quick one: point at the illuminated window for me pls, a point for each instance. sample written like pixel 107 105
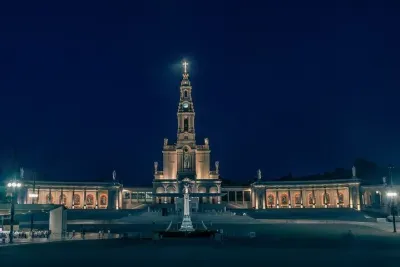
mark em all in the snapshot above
pixel 103 200
pixel 271 200
pixel 297 199
pixel 310 199
pixel 77 199
pixel 327 199
pixel 89 200
pixel 341 198
pixel 186 124
pixel 284 199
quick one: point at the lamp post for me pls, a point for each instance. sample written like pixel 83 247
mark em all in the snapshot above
pixel 33 195
pixel 14 184
pixel 392 196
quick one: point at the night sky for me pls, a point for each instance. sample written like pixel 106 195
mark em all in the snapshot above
pixel 285 86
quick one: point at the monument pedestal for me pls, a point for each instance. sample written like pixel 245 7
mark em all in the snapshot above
pixel 187 225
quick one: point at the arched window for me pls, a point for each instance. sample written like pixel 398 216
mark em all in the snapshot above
pixel 327 199
pixel 49 199
pixel 297 199
pixel 77 199
pixel 185 93
pixel 103 200
pixel 63 199
pixel 271 200
pixel 186 124
pixel 310 199
pixel 341 198
pixel 284 199
pixel 89 199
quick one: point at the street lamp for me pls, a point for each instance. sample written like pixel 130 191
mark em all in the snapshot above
pixel 392 196
pixel 14 184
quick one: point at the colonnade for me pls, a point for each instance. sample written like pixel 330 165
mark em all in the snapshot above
pixel 263 197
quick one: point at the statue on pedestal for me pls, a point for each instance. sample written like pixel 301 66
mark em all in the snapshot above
pixel 155 166
pixel 165 141
pixel 259 176
pixel 186 161
pixel 217 167
pixel 187 225
pixel 114 175
pixel 353 171
pixel 206 141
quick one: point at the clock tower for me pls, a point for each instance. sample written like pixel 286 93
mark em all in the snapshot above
pixel 186 132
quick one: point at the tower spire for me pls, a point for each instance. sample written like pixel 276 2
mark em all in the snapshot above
pixel 186 133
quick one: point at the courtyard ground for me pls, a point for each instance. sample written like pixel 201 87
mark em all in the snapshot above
pixel 318 245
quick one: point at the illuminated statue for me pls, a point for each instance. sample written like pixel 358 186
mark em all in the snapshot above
pixel 114 175
pixel 217 167
pixel 259 176
pixel 186 163
pixel 155 166
pixel 353 170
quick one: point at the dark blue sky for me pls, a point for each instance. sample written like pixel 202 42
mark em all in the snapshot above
pixel 279 85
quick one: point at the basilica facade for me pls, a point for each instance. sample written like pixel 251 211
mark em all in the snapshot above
pixel 186 161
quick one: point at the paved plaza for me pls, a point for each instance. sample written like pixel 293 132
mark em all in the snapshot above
pixel 320 245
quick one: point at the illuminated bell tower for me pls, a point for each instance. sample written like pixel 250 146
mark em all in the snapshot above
pixel 186 132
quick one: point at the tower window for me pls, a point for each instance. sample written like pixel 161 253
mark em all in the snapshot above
pixel 186 124
pixel 185 93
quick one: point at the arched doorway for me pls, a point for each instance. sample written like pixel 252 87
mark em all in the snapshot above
pixel 377 199
pixel 171 189
pixel 202 189
pixel 213 190
pixel 159 190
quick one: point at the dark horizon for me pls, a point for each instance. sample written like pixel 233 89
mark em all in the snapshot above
pixel 281 87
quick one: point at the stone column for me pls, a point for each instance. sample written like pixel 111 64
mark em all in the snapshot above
pixel 337 194
pixel 38 192
pixel 61 197
pixel 257 199
pixel 227 197
pixel 84 198
pixel 325 202
pixel 301 198
pixel 277 199
pixel 253 201
pixel 97 198
pixel 235 196
pixel 243 198
pixel 358 198
pixel 313 196
pixel 73 198
pixel 290 199
pixel 263 198
pixel 350 197
pixel 50 197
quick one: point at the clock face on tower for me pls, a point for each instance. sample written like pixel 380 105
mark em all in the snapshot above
pixel 185 105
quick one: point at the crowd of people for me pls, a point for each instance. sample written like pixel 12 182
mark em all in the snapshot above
pixel 5 235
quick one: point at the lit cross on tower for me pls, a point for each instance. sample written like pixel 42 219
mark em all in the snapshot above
pixel 185 64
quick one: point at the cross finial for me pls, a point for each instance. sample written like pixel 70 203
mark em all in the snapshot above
pixel 185 64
